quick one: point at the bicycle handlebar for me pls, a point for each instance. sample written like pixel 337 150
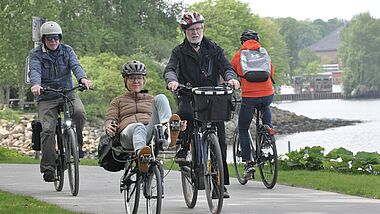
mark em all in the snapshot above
pixel 62 91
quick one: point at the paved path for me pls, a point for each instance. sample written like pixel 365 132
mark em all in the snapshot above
pixel 99 193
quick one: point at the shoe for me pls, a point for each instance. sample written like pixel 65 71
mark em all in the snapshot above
pixel 81 153
pixel 49 176
pixel 249 171
pixel 225 194
pixel 175 128
pixel 143 156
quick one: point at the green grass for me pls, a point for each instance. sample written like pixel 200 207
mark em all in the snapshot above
pixel 13 203
pixel 10 115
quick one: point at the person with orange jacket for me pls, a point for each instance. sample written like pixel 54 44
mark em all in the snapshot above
pixel 253 94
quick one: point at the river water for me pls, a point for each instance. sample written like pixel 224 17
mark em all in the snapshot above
pixel 359 137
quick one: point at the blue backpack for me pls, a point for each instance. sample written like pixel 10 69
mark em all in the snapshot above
pixel 255 65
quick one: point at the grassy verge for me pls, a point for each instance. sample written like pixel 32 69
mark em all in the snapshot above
pixel 13 203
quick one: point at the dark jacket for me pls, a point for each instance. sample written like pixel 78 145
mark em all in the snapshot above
pixel 199 69
pixel 53 68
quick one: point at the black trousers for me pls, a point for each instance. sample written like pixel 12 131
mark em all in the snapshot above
pixel 185 111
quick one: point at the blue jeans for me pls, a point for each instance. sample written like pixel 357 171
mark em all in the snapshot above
pixel 246 114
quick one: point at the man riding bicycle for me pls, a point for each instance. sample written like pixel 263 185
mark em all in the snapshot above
pixel 50 65
pixel 198 61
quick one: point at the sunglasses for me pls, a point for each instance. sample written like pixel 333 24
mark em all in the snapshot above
pixel 51 38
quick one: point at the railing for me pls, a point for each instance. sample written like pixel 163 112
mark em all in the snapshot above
pixel 322 96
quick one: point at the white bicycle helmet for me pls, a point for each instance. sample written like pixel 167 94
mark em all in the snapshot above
pixel 49 28
pixel 190 18
pixel 133 68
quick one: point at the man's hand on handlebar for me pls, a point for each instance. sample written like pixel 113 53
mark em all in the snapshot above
pixel 173 85
pixel 111 128
pixel 87 83
pixel 36 89
pixel 234 83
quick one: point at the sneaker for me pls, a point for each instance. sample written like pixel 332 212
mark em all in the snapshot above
pixel 143 156
pixel 49 176
pixel 249 171
pixel 174 129
pixel 225 194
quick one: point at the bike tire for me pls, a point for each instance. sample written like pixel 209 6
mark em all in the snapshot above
pixel 214 177
pixel 153 191
pixel 72 161
pixel 268 160
pixel 60 161
pixel 190 184
pixel 239 165
pixel 130 187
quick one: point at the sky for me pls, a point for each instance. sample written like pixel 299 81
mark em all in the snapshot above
pixel 311 9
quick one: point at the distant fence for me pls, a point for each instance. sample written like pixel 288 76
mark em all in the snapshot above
pixel 323 96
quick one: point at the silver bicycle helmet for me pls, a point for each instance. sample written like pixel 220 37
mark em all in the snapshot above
pixel 133 68
pixel 190 18
pixel 49 28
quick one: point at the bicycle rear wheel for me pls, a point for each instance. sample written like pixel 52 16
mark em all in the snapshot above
pixel 267 161
pixel 72 156
pixel 153 190
pixel 238 160
pixel 190 184
pixel 214 177
pixel 60 161
pixel 130 186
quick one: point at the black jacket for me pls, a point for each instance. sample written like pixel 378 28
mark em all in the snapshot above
pixel 199 69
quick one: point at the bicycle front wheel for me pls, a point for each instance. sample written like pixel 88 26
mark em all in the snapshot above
pixel 72 162
pixel 238 160
pixel 130 186
pixel 60 170
pixel 267 161
pixel 189 178
pixel 153 191
pixel 214 177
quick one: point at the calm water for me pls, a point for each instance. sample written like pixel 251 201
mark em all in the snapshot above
pixel 360 137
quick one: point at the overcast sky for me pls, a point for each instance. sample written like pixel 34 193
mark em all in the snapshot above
pixel 311 9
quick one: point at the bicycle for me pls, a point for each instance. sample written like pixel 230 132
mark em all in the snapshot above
pixel 204 155
pixel 67 142
pixel 134 181
pixel 265 157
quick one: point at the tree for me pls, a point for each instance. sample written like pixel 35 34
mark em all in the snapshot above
pixel 360 55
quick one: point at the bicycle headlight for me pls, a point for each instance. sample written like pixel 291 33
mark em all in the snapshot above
pixel 68 122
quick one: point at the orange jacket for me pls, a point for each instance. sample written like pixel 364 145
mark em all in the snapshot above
pixel 252 89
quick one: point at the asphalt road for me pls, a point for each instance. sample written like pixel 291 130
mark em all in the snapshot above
pixel 99 193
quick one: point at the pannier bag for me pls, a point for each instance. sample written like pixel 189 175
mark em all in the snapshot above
pixel 212 104
pixel 36 135
pixel 255 65
pixel 106 155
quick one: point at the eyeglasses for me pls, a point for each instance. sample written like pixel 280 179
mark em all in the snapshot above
pixel 51 38
pixel 192 30
pixel 133 78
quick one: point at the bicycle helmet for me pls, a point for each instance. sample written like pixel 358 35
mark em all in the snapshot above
pixel 133 68
pixel 190 18
pixel 249 35
pixel 49 28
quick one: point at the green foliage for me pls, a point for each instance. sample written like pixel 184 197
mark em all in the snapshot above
pixel 105 72
pixel 360 55
pixel 10 115
pixel 338 159
pixel 341 160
